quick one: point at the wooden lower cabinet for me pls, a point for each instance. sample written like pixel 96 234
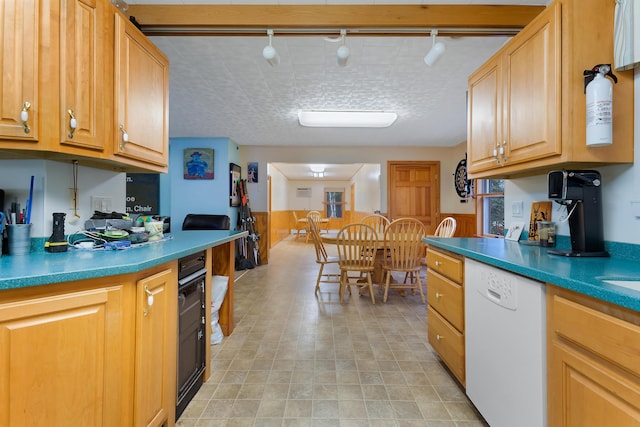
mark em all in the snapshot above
pixel 593 362
pixel 445 311
pixel 155 348
pixel 91 352
pixel 61 358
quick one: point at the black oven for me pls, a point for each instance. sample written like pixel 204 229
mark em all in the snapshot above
pixel 191 328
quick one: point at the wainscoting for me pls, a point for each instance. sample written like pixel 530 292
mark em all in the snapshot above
pixel 466 224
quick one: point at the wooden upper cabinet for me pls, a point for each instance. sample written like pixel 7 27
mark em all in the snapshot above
pixel 531 96
pixel 485 116
pixel 527 110
pixel 84 83
pixel 19 35
pixel 142 97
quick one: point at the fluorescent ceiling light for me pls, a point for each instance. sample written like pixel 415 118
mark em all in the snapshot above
pixel 346 119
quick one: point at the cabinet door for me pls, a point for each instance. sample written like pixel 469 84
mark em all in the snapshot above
pixel 485 116
pixel 593 370
pixel 84 83
pixel 155 354
pixel 141 80
pixel 587 393
pixel 19 34
pixel 531 90
pixel 61 359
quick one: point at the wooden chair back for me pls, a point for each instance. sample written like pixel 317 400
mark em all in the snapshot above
pixel 446 228
pixel 314 215
pixel 404 245
pixel 378 222
pixel 321 252
pixel 357 244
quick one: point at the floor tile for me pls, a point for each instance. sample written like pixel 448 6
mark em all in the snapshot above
pixel 297 360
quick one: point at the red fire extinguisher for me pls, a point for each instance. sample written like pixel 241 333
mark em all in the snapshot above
pixel 599 92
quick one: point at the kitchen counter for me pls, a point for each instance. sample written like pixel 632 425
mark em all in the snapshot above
pixel 41 268
pixel 583 275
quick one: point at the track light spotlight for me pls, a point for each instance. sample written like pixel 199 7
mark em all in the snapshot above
pixel 269 52
pixel 437 49
pixel 342 56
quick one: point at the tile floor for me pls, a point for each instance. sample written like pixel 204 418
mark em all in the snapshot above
pixel 297 360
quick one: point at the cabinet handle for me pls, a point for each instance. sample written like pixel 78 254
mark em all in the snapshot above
pixel 149 296
pixel 439 337
pixel 502 151
pixel 125 137
pixel 438 295
pixel 73 123
pixel 24 116
pixel 438 263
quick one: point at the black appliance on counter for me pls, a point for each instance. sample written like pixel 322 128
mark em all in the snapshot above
pixel 191 328
pixel 581 192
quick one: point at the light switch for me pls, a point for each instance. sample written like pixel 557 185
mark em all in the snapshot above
pixel 516 208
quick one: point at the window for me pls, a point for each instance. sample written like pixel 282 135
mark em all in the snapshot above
pixel 334 202
pixel 490 206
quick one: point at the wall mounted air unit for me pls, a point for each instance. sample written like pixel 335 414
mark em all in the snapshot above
pixel 303 192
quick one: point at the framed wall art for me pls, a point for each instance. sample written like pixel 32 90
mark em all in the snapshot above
pixel 198 163
pixel 234 177
pixel 252 172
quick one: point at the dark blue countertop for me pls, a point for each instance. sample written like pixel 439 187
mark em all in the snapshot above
pixel 41 268
pixel 583 275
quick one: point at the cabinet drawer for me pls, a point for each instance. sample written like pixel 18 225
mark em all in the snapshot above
pixel 607 336
pixel 446 264
pixel 447 298
pixel 447 342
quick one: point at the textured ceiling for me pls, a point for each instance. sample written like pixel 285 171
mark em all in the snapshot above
pixel 221 86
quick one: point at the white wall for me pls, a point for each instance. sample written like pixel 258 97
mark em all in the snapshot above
pixel 279 198
pixel 367 189
pixel 52 183
pixel 448 157
pixel 313 203
pixel 620 187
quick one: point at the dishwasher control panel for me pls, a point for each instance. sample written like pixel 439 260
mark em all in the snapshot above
pixel 500 288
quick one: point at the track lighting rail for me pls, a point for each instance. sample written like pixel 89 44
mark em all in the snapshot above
pixel 328 20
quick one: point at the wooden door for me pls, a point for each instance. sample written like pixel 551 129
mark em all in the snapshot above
pixel 61 359
pixel 141 82
pixel 413 190
pixel 155 354
pixel 531 90
pixel 85 88
pixel 19 35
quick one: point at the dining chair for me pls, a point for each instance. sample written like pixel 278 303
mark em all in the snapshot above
pixel 404 248
pixel 377 221
pixel 315 216
pixel 357 246
pixel 446 228
pixel 322 258
pixel 299 223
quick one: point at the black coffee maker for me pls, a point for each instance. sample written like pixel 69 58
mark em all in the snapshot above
pixel 581 192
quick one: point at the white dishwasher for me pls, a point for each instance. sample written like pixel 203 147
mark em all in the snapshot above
pixel 505 338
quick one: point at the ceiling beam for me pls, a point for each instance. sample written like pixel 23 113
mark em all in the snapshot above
pixel 243 20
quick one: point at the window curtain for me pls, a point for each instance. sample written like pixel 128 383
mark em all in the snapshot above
pixel 626 44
